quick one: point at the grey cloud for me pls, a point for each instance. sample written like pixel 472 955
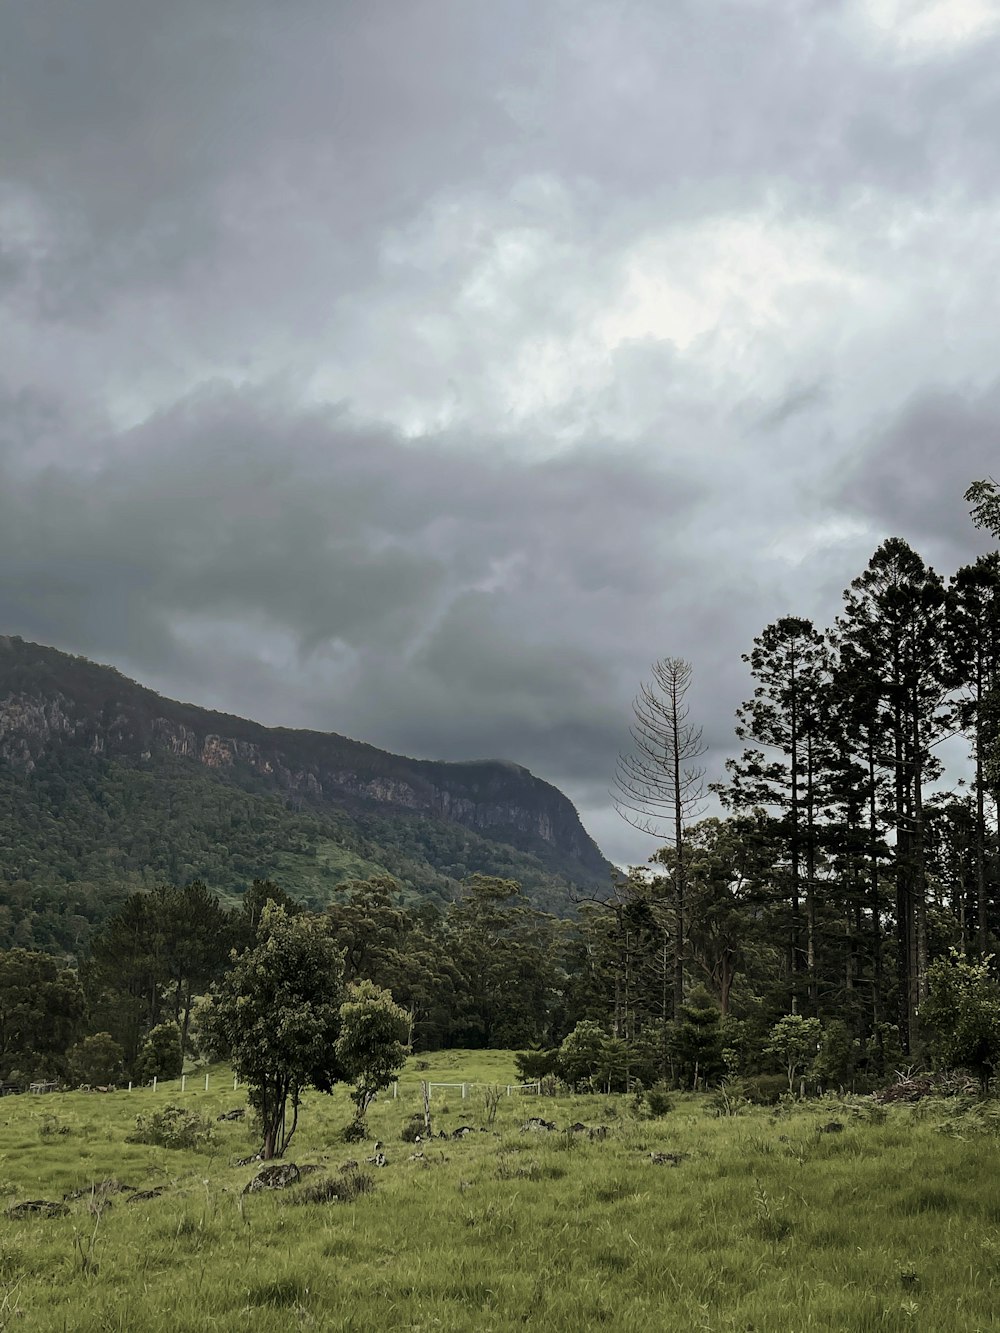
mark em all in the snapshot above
pixel 910 479
pixel 214 216
pixel 477 595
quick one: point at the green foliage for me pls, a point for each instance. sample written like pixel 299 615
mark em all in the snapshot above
pixel 983 498
pixel 41 1009
pixel 97 1060
pixel 961 1015
pixel 658 1100
pixel 502 950
pixel 794 1042
pixel 278 1011
pixel 370 1049
pixel 161 1055
pixel 696 1038
pixel 533 1065
pixel 581 1055
pixel 173 1127
pixel 762 1089
pixel 835 1060
pixel 86 825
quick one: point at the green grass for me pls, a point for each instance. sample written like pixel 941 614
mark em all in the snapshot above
pixel 767 1224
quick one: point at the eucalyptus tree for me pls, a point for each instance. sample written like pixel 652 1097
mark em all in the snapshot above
pixel 659 786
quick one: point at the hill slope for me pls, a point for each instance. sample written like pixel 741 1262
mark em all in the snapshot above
pixel 106 786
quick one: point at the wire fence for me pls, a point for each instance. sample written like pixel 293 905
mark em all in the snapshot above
pixel 193 1082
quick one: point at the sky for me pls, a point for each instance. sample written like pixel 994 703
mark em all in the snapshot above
pixel 424 370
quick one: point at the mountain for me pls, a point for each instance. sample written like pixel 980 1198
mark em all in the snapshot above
pixel 105 786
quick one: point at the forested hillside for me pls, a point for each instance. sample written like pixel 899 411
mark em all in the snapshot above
pixel 105 787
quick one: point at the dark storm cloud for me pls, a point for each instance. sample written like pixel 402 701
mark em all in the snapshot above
pixel 911 478
pixel 646 323
pixel 470 596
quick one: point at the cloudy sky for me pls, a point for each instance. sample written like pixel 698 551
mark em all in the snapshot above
pixel 423 369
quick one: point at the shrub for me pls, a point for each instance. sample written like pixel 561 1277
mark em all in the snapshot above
pixel 696 1040
pixel 413 1129
pixel 161 1056
pixel 335 1189
pixel 96 1060
pixel 765 1089
pixel 658 1100
pixel 533 1065
pixel 835 1059
pixel 173 1127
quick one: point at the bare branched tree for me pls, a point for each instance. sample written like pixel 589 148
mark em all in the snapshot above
pixel 658 786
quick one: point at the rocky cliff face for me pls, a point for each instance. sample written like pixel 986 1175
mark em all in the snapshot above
pixel 50 702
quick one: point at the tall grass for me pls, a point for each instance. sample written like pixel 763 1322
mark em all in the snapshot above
pixel 765 1223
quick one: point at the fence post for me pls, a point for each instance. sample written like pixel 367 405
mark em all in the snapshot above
pixel 154 1082
pixel 235 1082
pixel 508 1089
pixel 425 1089
pixel 395 1091
pixel 130 1085
pixel 183 1082
pixel 206 1083
pixel 463 1092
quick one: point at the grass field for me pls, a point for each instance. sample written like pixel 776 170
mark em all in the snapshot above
pixel 765 1223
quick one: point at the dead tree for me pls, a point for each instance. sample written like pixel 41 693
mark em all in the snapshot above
pixel 658 786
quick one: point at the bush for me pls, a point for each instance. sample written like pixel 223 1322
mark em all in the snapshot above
pixel 534 1065
pixel 334 1189
pixel 161 1056
pixel 764 1089
pixel 658 1100
pixel 413 1129
pixel 173 1127
pixel 97 1060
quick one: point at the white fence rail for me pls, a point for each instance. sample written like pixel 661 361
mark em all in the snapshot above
pixel 162 1085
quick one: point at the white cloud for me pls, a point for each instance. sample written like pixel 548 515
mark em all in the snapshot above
pixel 921 29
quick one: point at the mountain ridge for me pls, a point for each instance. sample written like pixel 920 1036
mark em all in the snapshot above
pixel 64 717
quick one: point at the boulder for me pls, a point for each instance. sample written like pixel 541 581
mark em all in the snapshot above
pixel 538 1125
pixel 37 1208
pixel 277 1176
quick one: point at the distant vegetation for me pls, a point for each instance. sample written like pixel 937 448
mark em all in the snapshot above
pixel 837 924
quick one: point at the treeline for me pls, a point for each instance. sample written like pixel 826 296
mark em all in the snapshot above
pixel 843 878
pixel 485 971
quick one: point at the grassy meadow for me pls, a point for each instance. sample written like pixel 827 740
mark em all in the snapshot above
pixel 763 1221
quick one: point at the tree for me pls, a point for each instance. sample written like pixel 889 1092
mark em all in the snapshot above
pixel 729 897
pixel 983 497
pixel 962 1015
pixel 794 1041
pixel 371 1048
pixel 255 899
pixel 973 658
pixel 98 1060
pixel 581 1055
pixel 892 645
pixel 790 664
pixel 502 949
pixel 41 1008
pixel 196 939
pixel 162 1055
pixel 278 1012
pixel 658 784
pixel 697 1037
